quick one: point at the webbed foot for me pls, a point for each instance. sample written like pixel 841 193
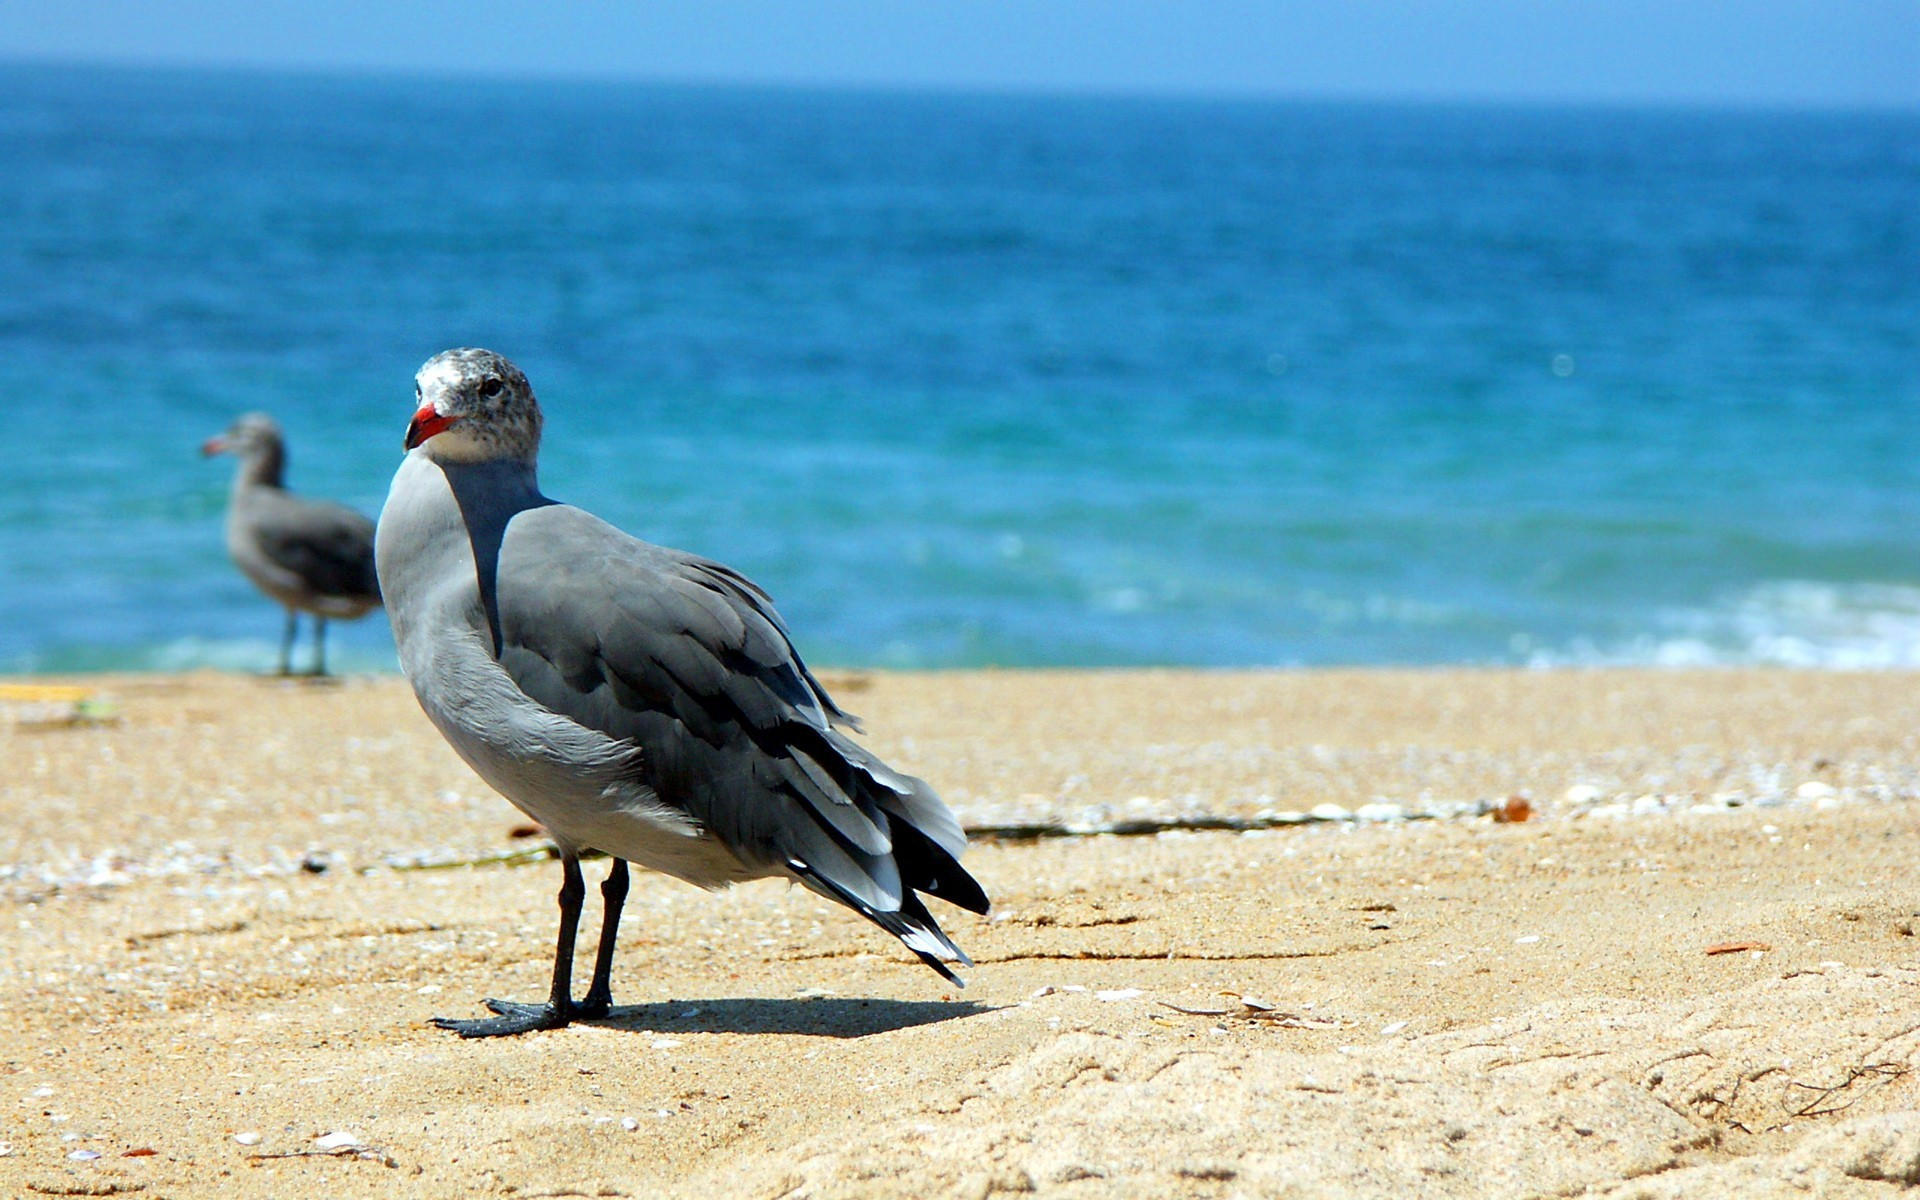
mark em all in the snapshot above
pixel 513 1018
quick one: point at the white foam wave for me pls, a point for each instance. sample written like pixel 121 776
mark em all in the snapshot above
pixel 1786 623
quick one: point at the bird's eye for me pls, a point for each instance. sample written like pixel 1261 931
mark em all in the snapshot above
pixel 490 387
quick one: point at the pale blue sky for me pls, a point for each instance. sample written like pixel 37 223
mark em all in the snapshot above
pixel 1787 52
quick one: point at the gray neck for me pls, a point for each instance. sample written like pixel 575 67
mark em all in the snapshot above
pixel 490 494
pixel 508 485
pixel 264 465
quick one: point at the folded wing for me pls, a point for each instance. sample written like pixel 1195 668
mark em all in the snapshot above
pixel 687 660
pixel 328 546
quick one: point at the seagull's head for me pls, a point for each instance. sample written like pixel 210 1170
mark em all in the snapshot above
pixel 473 405
pixel 253 434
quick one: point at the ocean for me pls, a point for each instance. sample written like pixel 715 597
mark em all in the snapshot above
pixel 993 379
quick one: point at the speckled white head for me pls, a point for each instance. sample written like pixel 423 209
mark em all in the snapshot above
pixel 474 406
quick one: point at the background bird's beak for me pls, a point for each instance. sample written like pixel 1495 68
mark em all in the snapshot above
pixel 213 446
pixel 425 424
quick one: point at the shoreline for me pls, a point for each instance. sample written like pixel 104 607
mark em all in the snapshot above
pixel 219 955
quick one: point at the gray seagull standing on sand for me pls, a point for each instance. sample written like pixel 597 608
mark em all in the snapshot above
pixel 313 556
pixel 633 699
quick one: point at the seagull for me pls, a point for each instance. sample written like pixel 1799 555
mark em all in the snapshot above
pixel 313 556
pixel 633 699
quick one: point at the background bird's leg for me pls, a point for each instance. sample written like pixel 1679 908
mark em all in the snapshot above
pixel 613 895
pixel 559 1009
pixel 286 643
pixel 319 646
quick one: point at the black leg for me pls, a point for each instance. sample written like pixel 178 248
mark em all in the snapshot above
pixel 319 647
pixel 558 1010
pixel 286 644
pixel 613 895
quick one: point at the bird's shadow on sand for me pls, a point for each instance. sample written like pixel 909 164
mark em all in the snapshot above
pixel 816 1016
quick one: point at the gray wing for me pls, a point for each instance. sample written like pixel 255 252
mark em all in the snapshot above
pixel 687 660
pixel 329 546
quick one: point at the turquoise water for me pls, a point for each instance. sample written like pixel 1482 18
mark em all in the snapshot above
pixel 993 379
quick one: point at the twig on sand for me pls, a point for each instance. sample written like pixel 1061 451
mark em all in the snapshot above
pixel 1817 1106
pixel 341 1149
pixel 1250 1009
pixel 1737 947
pixel 1033 831
pixel 364 1153
pixel 545 852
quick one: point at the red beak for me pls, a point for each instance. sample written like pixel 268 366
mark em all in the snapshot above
pixel 425 424
pixel 213 446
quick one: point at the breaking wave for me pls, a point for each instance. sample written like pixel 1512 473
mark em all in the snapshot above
pixel 1787 623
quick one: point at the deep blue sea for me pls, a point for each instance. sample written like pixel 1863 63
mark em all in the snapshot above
pixel 977 379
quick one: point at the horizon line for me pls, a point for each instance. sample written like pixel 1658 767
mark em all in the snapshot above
pixel 957 88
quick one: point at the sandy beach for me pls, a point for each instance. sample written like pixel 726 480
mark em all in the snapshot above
pixel 232 904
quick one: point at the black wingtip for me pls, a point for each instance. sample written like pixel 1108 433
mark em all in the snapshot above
pixel 912 921
pixel 925 866
pixel 945 971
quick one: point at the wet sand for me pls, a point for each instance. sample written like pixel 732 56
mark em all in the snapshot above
pixel 232 904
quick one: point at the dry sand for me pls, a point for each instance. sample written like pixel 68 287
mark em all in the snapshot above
pixel 227 928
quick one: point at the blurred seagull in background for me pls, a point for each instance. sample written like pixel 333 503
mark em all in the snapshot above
pixel 632 699
pixel 312 556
